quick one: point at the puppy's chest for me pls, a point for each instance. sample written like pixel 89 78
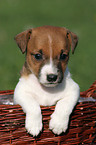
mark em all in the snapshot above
pixel 46 99
pixel 44 96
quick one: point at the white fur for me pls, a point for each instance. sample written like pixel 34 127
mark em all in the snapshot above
pixel 30 95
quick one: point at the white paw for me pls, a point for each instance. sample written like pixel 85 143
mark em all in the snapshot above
pixel 33 124
pixel 58 124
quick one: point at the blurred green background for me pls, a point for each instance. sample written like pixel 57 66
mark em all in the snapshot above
pixel 19 15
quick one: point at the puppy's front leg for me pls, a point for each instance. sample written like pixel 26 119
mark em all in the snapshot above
pixel 33 122
pixel 60 117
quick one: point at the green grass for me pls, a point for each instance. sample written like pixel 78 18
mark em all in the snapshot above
pixel 78 16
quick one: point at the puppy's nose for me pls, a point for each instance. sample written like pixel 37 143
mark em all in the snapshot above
pixel 51 77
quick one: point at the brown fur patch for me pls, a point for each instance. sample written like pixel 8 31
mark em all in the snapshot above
pixel 61 39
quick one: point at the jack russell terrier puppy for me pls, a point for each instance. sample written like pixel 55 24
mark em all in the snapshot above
pixel 45 78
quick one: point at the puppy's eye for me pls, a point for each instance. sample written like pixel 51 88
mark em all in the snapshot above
pixel 63 56
pixel 38 56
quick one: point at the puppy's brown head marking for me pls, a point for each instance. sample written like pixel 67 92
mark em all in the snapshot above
pixel 23 38
pixel 46 45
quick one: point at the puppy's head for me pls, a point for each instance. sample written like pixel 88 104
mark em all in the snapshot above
pixel 47 52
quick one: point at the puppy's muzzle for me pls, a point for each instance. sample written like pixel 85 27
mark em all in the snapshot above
pixel 50 75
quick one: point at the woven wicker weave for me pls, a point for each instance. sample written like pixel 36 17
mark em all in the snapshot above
pixel 82 126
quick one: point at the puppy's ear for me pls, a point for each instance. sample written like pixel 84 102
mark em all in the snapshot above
pixel 22 39
pixel 73 39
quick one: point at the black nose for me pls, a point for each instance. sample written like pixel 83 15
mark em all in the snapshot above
pixel 51 77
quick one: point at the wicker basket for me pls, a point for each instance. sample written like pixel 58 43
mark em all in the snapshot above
pixel 82 126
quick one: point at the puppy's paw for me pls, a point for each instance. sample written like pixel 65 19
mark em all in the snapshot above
pixel 58 124
pixel 33 124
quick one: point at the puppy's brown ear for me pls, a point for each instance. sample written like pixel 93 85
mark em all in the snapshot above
pixel 22 39
pixel 73 40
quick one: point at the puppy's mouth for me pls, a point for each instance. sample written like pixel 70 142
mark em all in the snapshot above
pixel 50 84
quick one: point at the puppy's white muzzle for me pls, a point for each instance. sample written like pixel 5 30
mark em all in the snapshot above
pixel 49 75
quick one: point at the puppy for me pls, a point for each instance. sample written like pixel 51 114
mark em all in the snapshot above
pixel 45 78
